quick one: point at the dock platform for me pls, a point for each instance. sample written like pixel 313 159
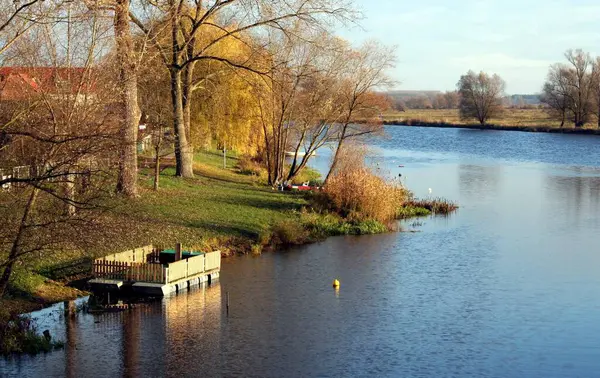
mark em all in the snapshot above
pixel 155 272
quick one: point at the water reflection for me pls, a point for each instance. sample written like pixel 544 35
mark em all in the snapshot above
pixel 71 333
pixel 479 181
pixel 574 194
pixel 508 286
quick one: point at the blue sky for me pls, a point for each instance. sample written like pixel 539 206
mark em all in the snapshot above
pixel 437 41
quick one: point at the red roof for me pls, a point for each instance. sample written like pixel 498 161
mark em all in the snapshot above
pixel 19 83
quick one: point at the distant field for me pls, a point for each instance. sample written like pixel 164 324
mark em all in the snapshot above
pixel 512 117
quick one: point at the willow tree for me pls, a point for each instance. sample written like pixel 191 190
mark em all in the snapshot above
pixel 189 20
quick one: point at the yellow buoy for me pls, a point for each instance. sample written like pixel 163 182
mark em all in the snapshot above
pixel 336 283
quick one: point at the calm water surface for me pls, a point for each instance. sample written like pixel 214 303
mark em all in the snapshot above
pixel 507 287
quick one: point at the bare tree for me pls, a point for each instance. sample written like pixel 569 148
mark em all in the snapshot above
pixel 154 99
pixel 452 99
pixel 595 88
pixel 422 102
pixel 60 131
pixel 302 104
pixel 570 89
pixel 367 73
pixel 16 18
pixel 580 85
pixel 555 92
pixel 480 96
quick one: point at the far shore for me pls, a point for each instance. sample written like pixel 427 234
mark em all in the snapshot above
pixel 530 129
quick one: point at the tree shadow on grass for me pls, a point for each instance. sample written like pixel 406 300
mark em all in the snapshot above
pixel 275 204
pixel 221 229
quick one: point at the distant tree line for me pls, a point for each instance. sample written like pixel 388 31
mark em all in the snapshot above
pixel 446 100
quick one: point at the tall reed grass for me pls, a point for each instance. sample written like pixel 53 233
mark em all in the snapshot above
pixel 356 192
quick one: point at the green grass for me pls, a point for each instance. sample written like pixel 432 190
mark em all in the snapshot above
pixel 219 208
pixel 419 208
pixel 324 225
pixel 409 211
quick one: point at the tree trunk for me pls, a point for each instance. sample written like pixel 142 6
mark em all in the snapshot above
pixel 334 162
pixel 16 245
pixel 156 166
pixel 127 179
pixel 187 107
pixel 188 91
pixel 69 189
pixel 183 156
pixel 184 166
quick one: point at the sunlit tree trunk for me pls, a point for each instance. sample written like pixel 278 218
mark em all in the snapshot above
pixel 183 155
pixel 127 179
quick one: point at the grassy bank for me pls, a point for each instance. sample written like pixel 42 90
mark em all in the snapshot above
pixel 219 209
pixel 530 120
pixel 230 209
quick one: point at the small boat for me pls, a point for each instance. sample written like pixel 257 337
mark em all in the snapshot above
pixel 303 187
pixel 300 153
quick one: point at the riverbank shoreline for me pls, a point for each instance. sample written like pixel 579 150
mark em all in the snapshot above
pixel 221 209
pixel 530 129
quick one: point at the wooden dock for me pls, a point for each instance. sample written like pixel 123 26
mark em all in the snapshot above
pixel 142 269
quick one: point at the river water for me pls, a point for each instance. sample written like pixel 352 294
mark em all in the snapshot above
pixel 509 286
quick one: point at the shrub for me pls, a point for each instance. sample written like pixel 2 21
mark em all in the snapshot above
pixel 369 227
pixel 248 166
pixel 19 335
pixel 357 193
pixel 288 232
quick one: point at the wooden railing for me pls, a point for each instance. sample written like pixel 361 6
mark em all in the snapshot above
pixel 154 273
pixel 177 271
pixel 114 270
pixel 118 270
pixel 137 255
pixel 195 265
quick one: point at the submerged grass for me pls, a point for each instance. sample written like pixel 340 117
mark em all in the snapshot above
pixel 437 206
pixel 322 226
